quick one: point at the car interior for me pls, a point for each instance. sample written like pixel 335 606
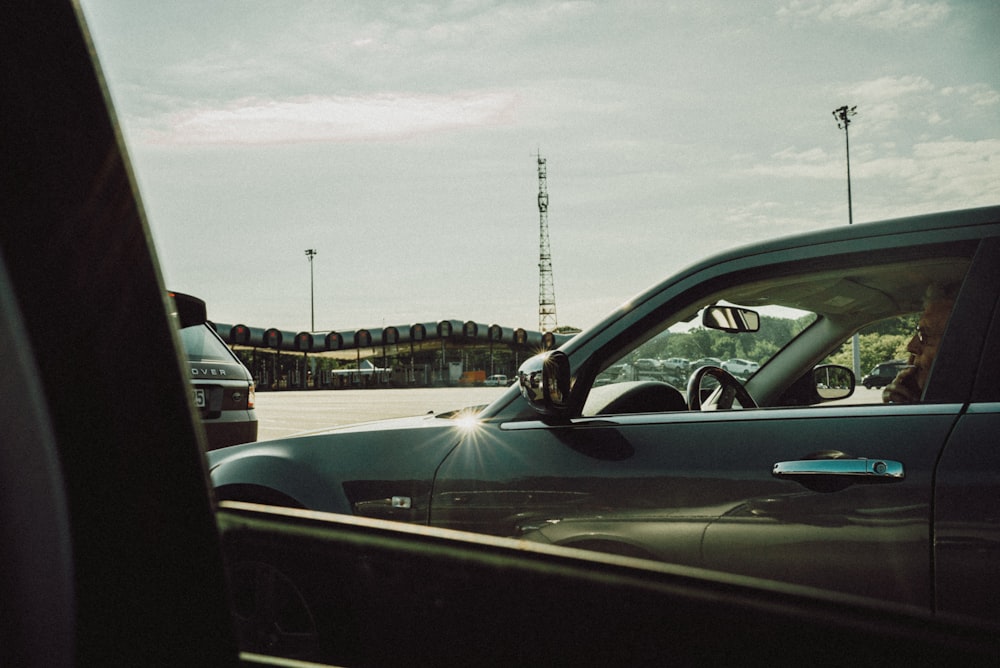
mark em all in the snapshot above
pixel 841 300
pixel 115 553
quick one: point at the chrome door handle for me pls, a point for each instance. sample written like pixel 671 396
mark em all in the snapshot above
pixel 861 469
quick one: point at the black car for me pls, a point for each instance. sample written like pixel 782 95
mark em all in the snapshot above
pixel 882 374
pixel 775 477
pixel 222 388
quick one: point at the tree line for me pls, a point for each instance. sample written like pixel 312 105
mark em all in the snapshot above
pixel 879 342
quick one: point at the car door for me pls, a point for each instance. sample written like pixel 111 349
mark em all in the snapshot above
pixel 698 489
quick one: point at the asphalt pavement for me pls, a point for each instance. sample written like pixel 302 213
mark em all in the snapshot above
pixel 285 413
pixel 281 414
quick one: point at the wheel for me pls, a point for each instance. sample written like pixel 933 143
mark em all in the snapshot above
pixel 731 388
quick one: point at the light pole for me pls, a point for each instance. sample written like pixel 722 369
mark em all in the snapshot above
pixel 311 253
pixel 843 116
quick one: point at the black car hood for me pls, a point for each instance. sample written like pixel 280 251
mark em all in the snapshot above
pixel 355 469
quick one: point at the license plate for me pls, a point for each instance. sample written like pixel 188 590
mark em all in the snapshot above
pixel 199 398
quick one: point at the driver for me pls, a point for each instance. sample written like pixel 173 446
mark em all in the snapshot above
pixel 908 386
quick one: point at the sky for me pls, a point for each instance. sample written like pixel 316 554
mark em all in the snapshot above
pixel 399 141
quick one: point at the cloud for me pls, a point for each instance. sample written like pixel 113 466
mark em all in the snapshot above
pixel 980 95
pixel 959 173
pixel 963 172
pixel 813 155
pixel 888 101
pixel 791 163
pixel 331 119
pixel 890 88
pixel 870 14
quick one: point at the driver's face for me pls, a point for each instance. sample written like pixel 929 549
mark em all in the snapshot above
pixel 924 345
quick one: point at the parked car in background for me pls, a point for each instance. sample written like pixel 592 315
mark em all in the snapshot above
pixel 676 370
pixel 740 367
pixel 705 361
pixel 221 386
pixel 497 380
pixel 883 374
pixel 677 363
pixel 873 500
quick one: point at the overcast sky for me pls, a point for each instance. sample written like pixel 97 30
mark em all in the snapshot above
pixel 399 141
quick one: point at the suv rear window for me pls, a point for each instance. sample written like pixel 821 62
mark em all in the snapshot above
pixel 202 345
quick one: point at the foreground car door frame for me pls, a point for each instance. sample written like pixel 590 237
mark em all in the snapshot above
pixel 148 582
pixel 381 593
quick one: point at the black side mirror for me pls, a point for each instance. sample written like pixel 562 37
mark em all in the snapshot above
pixel 733 319
pixel 544 382
pixel 833 382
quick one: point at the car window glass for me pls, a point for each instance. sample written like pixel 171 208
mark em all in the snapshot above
pixel 882 349
pixel 201 345
pixel 881 301
pixel 673 355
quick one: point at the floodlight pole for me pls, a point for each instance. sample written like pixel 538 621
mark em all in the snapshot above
pixel 843 116
pixel 311 253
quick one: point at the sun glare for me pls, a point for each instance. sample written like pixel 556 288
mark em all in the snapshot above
pixel 467 423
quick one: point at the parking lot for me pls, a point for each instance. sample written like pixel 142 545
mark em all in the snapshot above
pixel 281 414
pixel 285 413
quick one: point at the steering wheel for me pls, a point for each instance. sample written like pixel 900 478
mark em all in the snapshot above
pixel 731 389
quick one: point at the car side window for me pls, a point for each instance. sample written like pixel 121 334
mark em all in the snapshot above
pixel 633 382
pixel 882 355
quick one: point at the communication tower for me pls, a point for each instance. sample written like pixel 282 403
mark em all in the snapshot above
pixel 546 288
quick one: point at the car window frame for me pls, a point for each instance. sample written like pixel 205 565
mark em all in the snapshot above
pixel 960 357
pixel 644 319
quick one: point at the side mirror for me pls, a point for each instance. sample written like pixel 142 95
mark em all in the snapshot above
pixel 833 382
pixel 733 319
pixel 544 383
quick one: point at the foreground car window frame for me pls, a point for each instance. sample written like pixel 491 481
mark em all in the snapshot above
pixel 558 605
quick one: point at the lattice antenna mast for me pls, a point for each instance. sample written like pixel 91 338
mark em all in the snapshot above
pixel 546 287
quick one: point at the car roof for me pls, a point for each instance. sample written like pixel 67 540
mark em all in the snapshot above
pixel 942 221
pixel 877 288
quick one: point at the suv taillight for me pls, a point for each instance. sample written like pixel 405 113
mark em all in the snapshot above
pixel 251 396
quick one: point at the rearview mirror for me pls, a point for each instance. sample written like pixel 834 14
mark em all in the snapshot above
pixel 733 319
pixel 544 383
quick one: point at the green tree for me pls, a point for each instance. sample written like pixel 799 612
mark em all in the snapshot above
pixel 874 349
